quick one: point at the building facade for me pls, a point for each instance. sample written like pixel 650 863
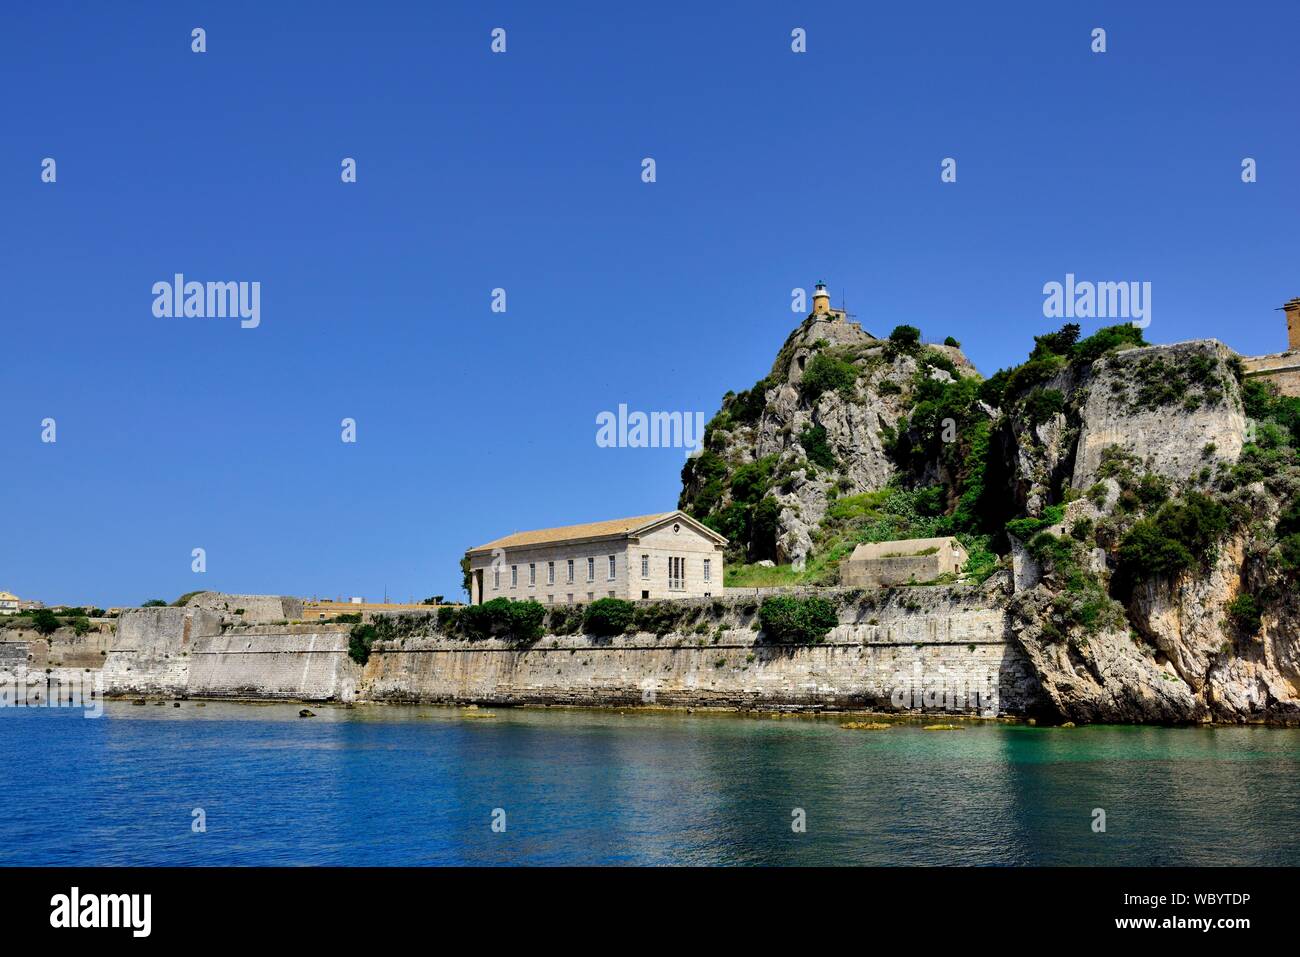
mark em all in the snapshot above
pixel 913 560
pixel 10 604
pixel 665 555
pixel 322 609
pixel 1282 369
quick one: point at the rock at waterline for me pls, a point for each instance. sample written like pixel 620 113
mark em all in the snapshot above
pixel 306 713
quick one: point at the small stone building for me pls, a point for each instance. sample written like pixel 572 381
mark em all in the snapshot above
pixel 896 563
pixel 665 555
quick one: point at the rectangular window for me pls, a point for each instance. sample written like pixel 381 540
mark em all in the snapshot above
pixel 570 572
pixel 496 578
pixel 550 573
pixel 514 576
pixel 532 574
pixel 708 567
pixel 676 574
pixel 645 566
pixel 550 599
pixel 611 594
pixel 590 595
pixel 611 567
pixel 591 569
pixel 569 598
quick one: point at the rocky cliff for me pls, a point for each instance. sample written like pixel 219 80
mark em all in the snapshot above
pixel 1146 498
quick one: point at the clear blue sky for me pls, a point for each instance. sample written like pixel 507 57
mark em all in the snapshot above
pixel 522 171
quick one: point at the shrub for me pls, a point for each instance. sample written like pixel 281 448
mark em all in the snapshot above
pixel 80 625
pixel 827 372
pixel 45 621
pixel 1244 613
pixel 608 616
pixel 748 406
pixel 1176 538
pixel 950 341
pixel 360 640
pixel 154 603
pixel 1026 528
pixel 1123 336
pixel 788 619
pixel 501 617
pixel 448 616
pixel 1043 404
pixel 657 618
pixel 813 440
pixel 905 335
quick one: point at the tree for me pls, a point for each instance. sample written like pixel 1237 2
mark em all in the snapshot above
pixel 789 619
pixel 45 621
pixel 607 616
pixel 154 603
pixel 905 335
pixel 80 625
pixel 360 638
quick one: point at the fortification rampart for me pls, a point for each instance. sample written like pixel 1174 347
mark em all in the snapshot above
pixel 927 649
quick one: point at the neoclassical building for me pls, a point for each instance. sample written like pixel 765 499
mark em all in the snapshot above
pixel 666 555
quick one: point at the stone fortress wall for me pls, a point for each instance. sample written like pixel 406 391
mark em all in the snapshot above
pixel 903 649
pixel 936 648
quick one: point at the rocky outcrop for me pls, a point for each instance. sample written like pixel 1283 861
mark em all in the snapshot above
pixel 1106 676
pixel 782 417
pixel 1177 408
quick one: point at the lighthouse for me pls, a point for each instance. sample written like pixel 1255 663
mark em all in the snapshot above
pixel 821 300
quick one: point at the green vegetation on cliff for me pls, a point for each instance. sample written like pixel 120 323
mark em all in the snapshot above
pixel 787 619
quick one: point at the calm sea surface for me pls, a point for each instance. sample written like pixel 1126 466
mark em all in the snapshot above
pixel 418 785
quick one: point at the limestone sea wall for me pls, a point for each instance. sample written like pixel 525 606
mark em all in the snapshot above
pixel 300 662
pixel 928 649
pixel 151 652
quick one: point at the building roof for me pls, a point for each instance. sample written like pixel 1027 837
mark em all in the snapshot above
pixel 901 547
pixel 8 596
pixel 611 528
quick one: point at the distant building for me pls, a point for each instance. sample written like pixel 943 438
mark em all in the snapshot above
pixel 10 604
pixel 917 560
pixel 666 555
pixel 1281 368
pixel 323 608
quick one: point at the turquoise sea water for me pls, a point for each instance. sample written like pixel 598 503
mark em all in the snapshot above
pixel 418 785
